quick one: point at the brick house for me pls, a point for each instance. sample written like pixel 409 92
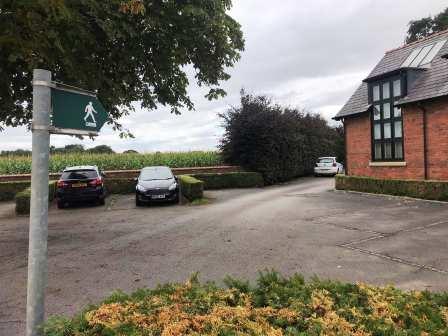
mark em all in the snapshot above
pixel 396 123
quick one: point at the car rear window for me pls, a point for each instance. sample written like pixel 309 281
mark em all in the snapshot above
pixel 79 174
pixel 326 160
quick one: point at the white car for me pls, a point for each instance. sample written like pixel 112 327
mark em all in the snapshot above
pixel 328 166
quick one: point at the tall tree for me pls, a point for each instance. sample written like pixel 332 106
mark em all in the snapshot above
pixel 135 50
pixel 426 26
pixel 281 143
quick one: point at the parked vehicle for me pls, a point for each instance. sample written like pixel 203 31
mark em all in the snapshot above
pixel 80 183
pixel 156 184
pixel 328 166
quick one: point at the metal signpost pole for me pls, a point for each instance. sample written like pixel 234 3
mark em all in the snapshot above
pixel 37 253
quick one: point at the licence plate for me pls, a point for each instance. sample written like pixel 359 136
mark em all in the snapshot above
pixel 79 185
pixel 157 196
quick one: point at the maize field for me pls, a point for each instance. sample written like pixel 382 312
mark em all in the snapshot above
pixel 22 164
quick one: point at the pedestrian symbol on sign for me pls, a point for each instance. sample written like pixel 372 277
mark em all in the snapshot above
pixel 89 110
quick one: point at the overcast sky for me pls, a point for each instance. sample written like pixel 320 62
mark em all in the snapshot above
pixel 309 54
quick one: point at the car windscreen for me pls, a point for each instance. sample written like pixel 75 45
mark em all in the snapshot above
pixel 79 174
pixel 159 173
pixel 326 160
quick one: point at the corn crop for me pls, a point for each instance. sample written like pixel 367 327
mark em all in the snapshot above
pixel 22 164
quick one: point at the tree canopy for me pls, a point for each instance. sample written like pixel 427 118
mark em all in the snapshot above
pixel 426 26
pixel 131 51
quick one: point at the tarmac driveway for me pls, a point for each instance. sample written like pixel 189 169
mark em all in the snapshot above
pixel 304 226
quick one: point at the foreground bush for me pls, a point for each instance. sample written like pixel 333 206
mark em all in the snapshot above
pixel 275 306
pixel 278 142
pixel 432 190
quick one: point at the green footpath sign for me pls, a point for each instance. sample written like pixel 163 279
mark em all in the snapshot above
pixel 75 111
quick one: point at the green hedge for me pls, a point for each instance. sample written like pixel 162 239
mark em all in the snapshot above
pixel 120 185
pixel 431 190
pixel 23 198
pixel 274 305
pixel 231 180
pixel 8 190
pixel 190 187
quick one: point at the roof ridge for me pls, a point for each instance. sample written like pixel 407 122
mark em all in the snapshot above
pixel 418 41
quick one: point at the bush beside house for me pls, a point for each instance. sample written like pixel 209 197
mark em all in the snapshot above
pixel 274 306
pixel 431 190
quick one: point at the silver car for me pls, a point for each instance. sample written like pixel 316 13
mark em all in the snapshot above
pixel 328 166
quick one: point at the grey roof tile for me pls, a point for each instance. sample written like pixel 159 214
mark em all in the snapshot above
pixel 357 103
pixel 431 83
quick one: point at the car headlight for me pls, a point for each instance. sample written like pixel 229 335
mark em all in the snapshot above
pixel 173 186
pixel 140 188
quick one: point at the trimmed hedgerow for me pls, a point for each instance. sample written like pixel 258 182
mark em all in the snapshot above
pixel 120 185
pixel 8 190
pixel 274 306
pixel 431 190
pixel 23 199
pixel 231 180
pixel 190 187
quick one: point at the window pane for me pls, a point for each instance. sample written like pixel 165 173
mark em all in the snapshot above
pixel 421 56
pixel 378 151
pixel 388 151
pixel 376 112
pixel 377 131
pixel 397 88
pixel 386 90
pixel 386 111
pixel 411 57
pixel 387 133
pixel 398 150
pixel 434 51
pixel 376 93
pixel 397 129
pixel 397 111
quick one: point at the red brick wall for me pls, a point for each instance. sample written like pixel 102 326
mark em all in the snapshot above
pixel 437 139
pixel 359 147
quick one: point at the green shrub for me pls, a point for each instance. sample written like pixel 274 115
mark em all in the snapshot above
pixel 431 190
pixel 231 180
pixel 274 306
pixel 120 185
pixel 190 187
pixel 23 198
pixel 8 190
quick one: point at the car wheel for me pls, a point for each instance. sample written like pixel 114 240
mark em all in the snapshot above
pixel 61 204
pixel 102 201
pixel 138 203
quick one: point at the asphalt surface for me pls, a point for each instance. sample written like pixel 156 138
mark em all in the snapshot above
pixel 304 226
